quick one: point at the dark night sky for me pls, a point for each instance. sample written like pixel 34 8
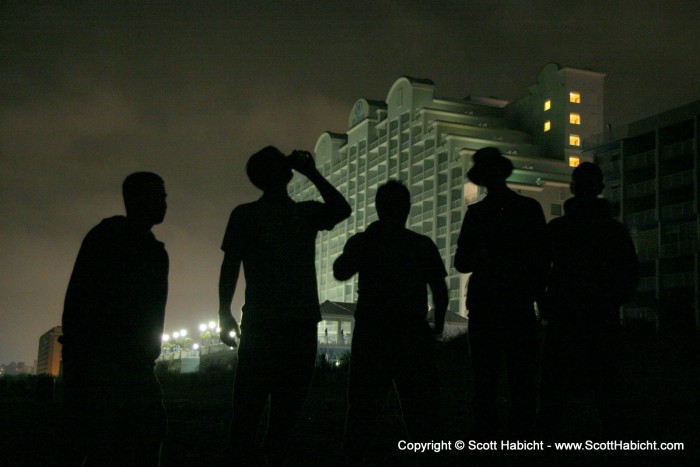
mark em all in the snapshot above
pixel 90 93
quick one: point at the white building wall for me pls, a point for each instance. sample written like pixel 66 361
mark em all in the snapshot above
pixel 426 143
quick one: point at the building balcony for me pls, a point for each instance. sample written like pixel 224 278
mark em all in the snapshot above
pixel 678 280
pixel 638 190
pixel 642 218
pixel 681 248
pixel 678 211
pixel 677 180
pixel 647 254
pixel 640 161
pixel 676 150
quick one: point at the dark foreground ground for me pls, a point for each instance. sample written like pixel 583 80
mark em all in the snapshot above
pixel 662 383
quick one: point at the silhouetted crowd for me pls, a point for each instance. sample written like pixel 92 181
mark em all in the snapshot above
pixel 572 275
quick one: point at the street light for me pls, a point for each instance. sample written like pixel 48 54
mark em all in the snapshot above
pixel 183 332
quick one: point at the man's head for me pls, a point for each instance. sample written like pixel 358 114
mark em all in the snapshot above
pixel 144 198
pixel 269 170
pixel 489 168
pixel 393 202
pixel 587 180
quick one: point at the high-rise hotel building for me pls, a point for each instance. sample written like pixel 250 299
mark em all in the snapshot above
pixel 426 141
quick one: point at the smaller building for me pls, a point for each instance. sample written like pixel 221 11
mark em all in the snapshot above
pixel 335 329
pixel 337 323
pixel 16 368
pixel 49 359
pixel 651 177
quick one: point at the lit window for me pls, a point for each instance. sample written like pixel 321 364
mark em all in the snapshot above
pixel 574 161
pixel 547 126
pixel 574 140
pixel 575 119
pixel 547 104
pixel 575 97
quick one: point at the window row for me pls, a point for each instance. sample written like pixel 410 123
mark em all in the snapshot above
pixel 574 98
pixel 574 119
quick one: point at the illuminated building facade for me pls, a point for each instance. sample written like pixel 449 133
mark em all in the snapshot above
pixel 651 171
pixel 426 142
pixel 49 358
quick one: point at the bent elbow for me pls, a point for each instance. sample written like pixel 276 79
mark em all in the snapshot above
pixel 342 272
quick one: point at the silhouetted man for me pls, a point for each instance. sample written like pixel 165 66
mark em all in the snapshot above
pixel 274 238
pixel 392 341
pixel 501 245
pixel 112 327
pixel 594 271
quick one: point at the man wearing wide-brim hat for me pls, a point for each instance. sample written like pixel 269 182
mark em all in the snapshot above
pixel 501 244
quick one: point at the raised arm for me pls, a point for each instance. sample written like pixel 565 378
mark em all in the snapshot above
pixel 337 208
pixel 348 263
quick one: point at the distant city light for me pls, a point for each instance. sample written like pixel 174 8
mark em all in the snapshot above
pixel 176 334
pixel 195 346
pixel 166 338
pixel 183 332
pixel 202 327
pixel 212 324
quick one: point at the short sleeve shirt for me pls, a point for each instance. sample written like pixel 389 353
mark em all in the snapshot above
pixel 275 238
pixel 395 269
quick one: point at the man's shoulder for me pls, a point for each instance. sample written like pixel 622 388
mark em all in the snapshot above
pixel 526 201
pixel 110 227
pixel 418 238
pixel 558 222
pixel 247 207
pixel 415 241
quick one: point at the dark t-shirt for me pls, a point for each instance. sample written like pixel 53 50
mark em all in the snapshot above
pixel 395 266
pixel 275 238
pixel 594 264
pixel 114 308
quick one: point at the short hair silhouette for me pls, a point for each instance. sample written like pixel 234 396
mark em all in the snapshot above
pixel 140 187
pixel 144 197
pixel 268 169
pixel 587 180
pixel 489 167
pixel 393 201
